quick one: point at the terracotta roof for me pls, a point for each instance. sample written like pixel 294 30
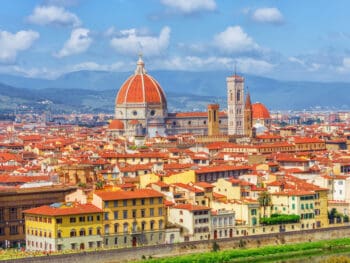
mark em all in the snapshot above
pixel 221 168
pixel 190 207
pixel 260 111
pixel 73 209
pixel 116 125
pixel 140 88
pixel 121 195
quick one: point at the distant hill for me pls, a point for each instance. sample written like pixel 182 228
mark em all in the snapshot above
pixel 94 91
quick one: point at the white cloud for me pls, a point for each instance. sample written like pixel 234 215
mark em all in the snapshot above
pixel 190 6
pixel 296 60
pixel 11 44
pixel 44 15
pixel 345 67
pixel 194 63
pixel 90 65
pixel 254 66
pixel 234 40
pixel 130 42
pixel 268 15
pixel 78 42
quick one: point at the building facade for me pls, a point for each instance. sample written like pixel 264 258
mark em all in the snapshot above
pixel 141 110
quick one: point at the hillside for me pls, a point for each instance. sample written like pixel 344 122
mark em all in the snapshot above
pixel 94 91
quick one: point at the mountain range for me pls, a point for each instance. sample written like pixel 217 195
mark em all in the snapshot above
pixel 94 91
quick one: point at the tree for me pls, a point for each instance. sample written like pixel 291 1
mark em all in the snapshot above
pixel 264 200
pixel 99 185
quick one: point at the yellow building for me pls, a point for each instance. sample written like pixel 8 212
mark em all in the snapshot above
pixel 131 218
pixel 63 226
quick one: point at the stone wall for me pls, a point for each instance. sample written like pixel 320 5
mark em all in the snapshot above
pixel 129 254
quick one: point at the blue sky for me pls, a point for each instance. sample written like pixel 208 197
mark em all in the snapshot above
pixel 290 40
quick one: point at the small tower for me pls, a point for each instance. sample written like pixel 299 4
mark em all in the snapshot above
pixel 235 104
pixel 213 119
pixel 248 117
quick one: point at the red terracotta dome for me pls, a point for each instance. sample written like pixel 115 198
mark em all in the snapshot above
pixel 116 125
pixel 141 88
pixel 260 111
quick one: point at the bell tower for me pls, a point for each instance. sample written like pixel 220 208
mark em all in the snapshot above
pixel 213 119
pixel 235 104
pixel 248 118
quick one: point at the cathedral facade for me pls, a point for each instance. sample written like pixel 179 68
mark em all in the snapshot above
pixel 141 110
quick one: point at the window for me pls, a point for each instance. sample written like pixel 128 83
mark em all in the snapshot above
pixel 115 214
pixel 125 202
pixel 253 212
pixel 302 206
pixel 116 228
pixel 90 218
pixel 115 241
pixel 134 202
pixel 160 226
pixel 73 246
pixel 125 228
pixel 143 214
pixel 13 230
pixel 160 200
pixel 82 219
pixel 151 201
pixel 160 211
pixel 106 216
pixel 72 219
pixel 98 217
pixel 98 231
pixel 73 233
pixel 125 214
pixel 134 213
pixel 2 231
pixel 2 216
pixel 115 203
pixel 143 225
pixel 151 212
pixel 90 231
pixel 152 225
pixel 13 213
pixel 142 201
pixel 106 204
pixel 59 220
pixel 82 232
pixel 293 206
pixel 106 229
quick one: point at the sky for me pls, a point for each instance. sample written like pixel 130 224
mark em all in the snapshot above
pixel 287 40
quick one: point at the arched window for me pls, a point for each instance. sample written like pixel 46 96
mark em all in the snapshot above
pixel 73 233
pixel 59 234
pixel 152 225
pixel 160 224
pixel 143 226
pixel 134 227
pixel 125 227
pixel 238 95
pixel 107 229
pixel 82 232
pixel 116 228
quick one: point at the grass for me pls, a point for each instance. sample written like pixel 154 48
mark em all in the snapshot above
pixel 264 254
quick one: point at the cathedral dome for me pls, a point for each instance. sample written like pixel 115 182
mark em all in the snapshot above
pixel 116 125
pixel 260 111
pixel 140 88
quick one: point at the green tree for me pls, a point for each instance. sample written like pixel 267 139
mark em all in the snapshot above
pixel 99 185
pixel 264 200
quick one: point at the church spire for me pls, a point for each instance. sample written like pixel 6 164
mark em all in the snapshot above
pixel 248 103
pixel 140 66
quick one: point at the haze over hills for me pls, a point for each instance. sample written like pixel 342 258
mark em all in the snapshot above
pixel 94 91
